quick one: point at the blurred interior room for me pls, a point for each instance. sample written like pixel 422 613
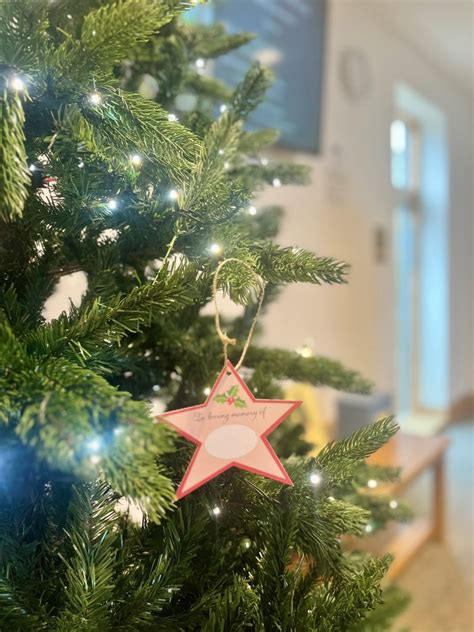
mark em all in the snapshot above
pixel 392 194
pixel 377 97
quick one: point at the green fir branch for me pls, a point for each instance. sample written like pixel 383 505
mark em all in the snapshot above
pixel 283 365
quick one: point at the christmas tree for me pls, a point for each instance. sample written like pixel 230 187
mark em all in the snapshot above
pixel 147 200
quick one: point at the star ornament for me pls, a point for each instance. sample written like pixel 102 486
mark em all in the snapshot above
pixel 230 430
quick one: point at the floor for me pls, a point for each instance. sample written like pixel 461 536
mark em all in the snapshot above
pixel 441 578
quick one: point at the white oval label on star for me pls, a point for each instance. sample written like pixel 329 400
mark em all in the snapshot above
pixel 231 442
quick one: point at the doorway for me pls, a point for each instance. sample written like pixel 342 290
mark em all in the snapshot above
pixel 419 175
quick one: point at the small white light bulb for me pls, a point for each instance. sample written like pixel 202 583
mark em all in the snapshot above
pixel 173 118
pixel 215 249
pixel 207 391
pixel 200 63
pixel 393 504
pixel 305 351
pixel 252 210
pixel 264 161
pixel 136 159
pixel 95 459
pixel 94 445
pixel 156 388
pixel 95 98
pixel 331 498
pixel 173 194
pixel 112 204
pixel 372 483
pixel 32 168
pixel 223 108
pixel 315 478
pixel 368 528
pixel 226 165
pixel 276 182
pixel 216 511
pixel 17 83
pixel 119 431
pixel 221 152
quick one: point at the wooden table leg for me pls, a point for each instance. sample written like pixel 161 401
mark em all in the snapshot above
pixel 439 499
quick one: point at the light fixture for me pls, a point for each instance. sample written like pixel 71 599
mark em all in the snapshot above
pixel 252 210
pixel 136 159
pixel 112 204
pixel 372 483
pixel 393 504
pixel 315 478
pixel 223 108
pixel 216 511
pixel 173 194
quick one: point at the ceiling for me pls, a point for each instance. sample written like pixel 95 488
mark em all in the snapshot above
pixel 442 30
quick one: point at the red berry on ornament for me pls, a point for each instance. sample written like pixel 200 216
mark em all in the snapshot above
pixel 230 400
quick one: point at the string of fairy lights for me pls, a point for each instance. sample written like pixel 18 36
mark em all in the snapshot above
pixel 95 99
pixel 95 446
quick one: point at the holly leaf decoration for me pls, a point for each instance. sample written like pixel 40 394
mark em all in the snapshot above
pixel 220 399
pixel 239 403
pixel 233 391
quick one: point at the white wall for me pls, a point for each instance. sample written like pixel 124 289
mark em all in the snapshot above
pixel 351 195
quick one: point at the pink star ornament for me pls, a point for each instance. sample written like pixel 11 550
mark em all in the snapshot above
pixel 230 430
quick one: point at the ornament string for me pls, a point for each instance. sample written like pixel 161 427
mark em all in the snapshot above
pixel 226 341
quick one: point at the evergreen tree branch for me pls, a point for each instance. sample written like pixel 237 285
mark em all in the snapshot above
pixel 283 365
pixel 290 265
pixel 99 323
pixel 213 41
pixel 338 459
pixel 110 32
pixel 14 175
pixel 251 91
pixel 89 563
